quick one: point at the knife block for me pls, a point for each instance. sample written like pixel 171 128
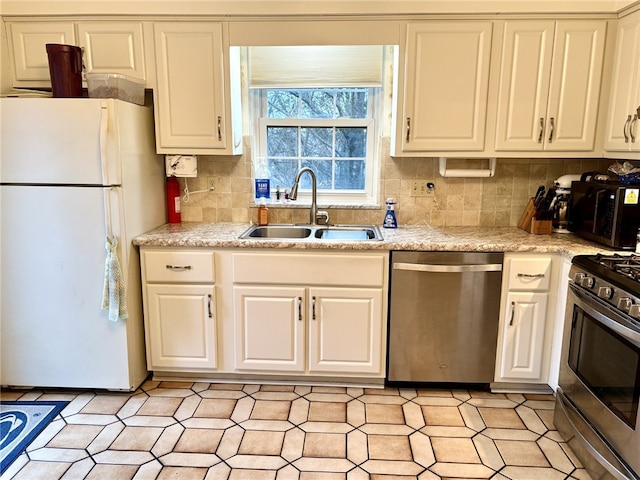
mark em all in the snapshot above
pixel 530 224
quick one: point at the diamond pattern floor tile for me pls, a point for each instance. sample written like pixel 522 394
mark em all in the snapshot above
pixel 201 431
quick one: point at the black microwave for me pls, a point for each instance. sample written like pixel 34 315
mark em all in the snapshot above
pixel 606 213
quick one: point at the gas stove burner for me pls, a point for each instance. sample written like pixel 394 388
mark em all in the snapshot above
pixel 616 260
pixel 621 270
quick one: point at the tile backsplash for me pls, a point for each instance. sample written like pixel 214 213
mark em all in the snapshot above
pixel 495 201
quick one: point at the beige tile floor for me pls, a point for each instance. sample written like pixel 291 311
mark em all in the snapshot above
pixel 202 431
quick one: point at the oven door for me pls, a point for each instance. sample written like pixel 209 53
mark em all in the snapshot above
pixel 600 371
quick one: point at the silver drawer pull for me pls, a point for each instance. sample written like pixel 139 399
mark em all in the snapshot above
pixel 531 275
pixel 178 267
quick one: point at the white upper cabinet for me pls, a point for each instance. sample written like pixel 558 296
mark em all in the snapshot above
pixel 624 104
pixel 28 52
pixel 442 105
pixel 550 85
pixel 196 89
pixel 113 47
pixel 108 47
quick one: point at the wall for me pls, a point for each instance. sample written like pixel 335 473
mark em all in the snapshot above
pixel 496 201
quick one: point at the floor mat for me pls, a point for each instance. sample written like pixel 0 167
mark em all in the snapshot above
pixel 20 424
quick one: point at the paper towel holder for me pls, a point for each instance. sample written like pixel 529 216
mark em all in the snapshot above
pixel 468 172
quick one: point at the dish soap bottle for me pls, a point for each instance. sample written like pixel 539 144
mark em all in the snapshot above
pixel 263 212
pixel 390 217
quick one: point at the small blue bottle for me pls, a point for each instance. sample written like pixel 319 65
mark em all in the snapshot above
pixel 390 217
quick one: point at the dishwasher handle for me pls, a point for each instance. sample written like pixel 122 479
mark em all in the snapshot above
pixel 419 267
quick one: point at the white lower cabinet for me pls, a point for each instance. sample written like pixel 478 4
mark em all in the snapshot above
pixel 345 331
pixel 527 321
pixel 327 320
pixel 179 309
pixel 269 327
pixel 257 312
pixel 181 330
pixel 523 339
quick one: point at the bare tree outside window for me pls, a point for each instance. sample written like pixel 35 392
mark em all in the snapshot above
pixel 324 129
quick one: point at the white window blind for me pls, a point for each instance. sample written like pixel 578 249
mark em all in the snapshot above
pixel 315 66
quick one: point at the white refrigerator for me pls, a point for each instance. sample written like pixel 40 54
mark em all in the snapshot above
pixel 73 172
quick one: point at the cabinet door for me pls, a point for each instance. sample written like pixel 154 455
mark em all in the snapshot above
pixel 190 93
pixel 181 327
pixel 524 84
pixel 574 93
pixel 625 91
pixel 345 330
pixel 447 74
pixel 113 47
pixel 523 337
pixel 269 328
pixel 28 51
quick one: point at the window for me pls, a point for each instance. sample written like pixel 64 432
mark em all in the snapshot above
pixel 307 115
pixel 329 130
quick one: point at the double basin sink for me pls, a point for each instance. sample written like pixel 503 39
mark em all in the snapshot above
pixel 314 232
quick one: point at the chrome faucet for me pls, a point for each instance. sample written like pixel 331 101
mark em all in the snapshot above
pixel 314 214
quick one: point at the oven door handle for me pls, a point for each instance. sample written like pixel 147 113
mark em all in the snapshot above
pixel 594 309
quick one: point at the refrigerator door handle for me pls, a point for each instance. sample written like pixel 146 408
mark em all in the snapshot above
pixel 104 131
pixel 111 204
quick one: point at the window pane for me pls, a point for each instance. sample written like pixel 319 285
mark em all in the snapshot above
pixel 281 104
pixel 316 142
pixel 303 133
pixel 351 142
pixel 316 104
pixel 350 175
pixel 282 141
pixel 282 172
pixel 352 103
pixel 323 171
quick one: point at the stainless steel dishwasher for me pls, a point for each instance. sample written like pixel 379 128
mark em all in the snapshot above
pixel 444 310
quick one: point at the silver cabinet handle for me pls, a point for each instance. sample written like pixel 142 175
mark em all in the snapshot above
pixel 408 129
pixel 530 275
pixel 513 312
pixel 541 130
pixel 632 128
pixel 624 129
pixel 209 300
pixel 219 127
pixel 552 127
pixel 300 318
pixel 178 267
pixel 313 307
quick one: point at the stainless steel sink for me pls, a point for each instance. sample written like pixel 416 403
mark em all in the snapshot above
pixel 277 231
pixel 314 232
pixel 344 232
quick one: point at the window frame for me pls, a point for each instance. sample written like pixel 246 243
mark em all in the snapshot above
pixel 368 196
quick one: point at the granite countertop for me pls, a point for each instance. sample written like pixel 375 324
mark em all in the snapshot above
pixel 406 237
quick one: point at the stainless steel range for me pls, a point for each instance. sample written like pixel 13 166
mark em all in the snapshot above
pixel 597 402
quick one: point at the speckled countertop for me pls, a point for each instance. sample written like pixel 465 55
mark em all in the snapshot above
pixel 406 237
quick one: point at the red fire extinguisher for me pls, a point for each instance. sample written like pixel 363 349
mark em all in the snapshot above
pixel 173 200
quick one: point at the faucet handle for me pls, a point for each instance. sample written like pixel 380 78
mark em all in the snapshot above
pixel 322 217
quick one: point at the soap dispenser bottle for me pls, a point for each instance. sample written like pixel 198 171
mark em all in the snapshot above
pixel 390 217
pixel 263 213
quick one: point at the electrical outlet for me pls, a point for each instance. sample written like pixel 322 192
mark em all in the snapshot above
pixel 211 183
pixel 422 188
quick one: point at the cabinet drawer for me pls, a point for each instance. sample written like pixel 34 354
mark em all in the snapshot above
pixel 179 266
pixel 309 269
pixel 529 274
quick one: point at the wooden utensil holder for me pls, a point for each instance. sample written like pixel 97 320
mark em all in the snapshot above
pixel 530 224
